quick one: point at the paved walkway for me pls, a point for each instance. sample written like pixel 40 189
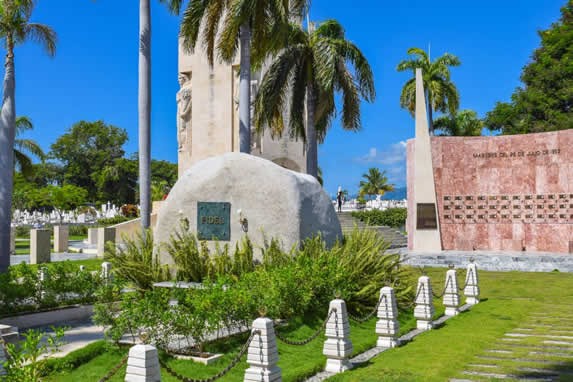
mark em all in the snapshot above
pixel 540 349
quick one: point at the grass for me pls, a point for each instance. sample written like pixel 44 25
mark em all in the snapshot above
pixel 90 264
pixel 509 299
pixel 442 354
pixel 23 243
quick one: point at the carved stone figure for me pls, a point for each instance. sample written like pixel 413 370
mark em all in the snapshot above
pixel 183 110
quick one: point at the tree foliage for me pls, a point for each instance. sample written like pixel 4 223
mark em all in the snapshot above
pixel 545 101
pixel 441 93
pixel 375 183
pixel 462 123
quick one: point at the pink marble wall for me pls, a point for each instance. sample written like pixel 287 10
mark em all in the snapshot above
pixel 502 193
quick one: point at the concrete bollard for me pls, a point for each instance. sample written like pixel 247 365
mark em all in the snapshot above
pixel 103 236
pixel 12 240
pixel 92 236
pixel 106 271
pixel 471 291
pixel 424 310
pixel 387 326
pixel 337 347
pixel 263 355
pixel 451 296
pixel 143 364
pixel 61 236
pixel 39 246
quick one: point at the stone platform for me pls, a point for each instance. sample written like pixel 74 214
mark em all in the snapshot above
pixel 492 260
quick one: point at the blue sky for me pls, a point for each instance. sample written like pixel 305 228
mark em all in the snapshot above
pixel 94 73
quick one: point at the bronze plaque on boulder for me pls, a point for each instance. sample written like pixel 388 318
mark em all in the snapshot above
pixel 426 216
pixel 214 221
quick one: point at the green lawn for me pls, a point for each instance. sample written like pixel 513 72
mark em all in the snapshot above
pixel 23 243
pixel 439 355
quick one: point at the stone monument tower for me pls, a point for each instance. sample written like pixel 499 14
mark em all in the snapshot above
pixel 208 115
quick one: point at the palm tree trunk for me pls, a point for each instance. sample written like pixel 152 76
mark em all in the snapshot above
pixel 7 133
pixel 245 90
pixel 311 139
pixel 144 110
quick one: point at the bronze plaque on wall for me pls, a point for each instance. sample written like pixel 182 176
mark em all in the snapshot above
pixel 426 216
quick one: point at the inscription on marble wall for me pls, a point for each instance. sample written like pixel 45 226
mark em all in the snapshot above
pixel 530 208
pixel 515 154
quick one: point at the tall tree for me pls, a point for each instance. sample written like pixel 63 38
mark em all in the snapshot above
pixel 315 64
pixel 144 105
pixel 375 183
pixel 545 101
pixel 87 150
pixel 254 26
pixel 15 29
pixel 441 93
pixel 24 147
pixel 462 123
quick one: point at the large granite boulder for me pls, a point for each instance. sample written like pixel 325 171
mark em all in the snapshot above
pixel 264 201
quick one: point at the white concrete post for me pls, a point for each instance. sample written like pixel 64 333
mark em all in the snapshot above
pixel 92 236
pixel 471 291
pixel 424 310
pixel 263 355
pixel 61 236
pixel 451 296
pixel 106 271
pixel 103 236
pixel 12 240
pixel 42 278
pixel 337 347
pixel 387 326
pixel 39 246
pixel 143 364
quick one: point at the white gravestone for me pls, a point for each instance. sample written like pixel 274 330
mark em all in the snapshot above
pixel 61 236
pixel 39 246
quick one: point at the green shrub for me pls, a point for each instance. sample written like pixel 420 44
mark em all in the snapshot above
pixel 76 358
pixel 112 221
pixel 391 217
pixel 23 231
pixel 78 230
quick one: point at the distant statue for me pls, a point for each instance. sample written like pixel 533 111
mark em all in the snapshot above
pixel 183 110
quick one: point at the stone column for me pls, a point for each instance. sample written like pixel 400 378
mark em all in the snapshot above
pixel 143 364
pixel 451 296
pixel 387 326
pixel 103 236
pixel 92 236
pixel 12 240
pixel 424 310
pixel 39 246
pixel 471 291
pixel 337 347
pixel 263 355
pixel 61 235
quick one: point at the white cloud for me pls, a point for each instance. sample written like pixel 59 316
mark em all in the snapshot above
pixel 393 154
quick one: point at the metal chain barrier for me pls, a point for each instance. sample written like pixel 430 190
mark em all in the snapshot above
pixel 420 290
pixel 369 315
pixel 112 372
pixel 443 290
pixel 220 374
pixel 309 339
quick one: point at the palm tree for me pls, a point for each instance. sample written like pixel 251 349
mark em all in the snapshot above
pixel 462 123
pixel 223 26
pixel 15 29
pixel 441 93
pixel 21 160
pixel 315 64
pixel 375 183
pixel 144 106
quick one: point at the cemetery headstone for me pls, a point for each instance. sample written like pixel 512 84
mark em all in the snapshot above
pixel 39 246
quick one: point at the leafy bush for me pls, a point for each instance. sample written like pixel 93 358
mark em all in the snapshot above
pixel 112 221
pixel 391 217
pixel 135 263
pixel 75 358
pixel 235 290
pixel 22 291
pixel 78 230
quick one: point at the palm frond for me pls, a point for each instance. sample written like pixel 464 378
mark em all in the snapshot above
pixel 23 123
pixel 44 35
